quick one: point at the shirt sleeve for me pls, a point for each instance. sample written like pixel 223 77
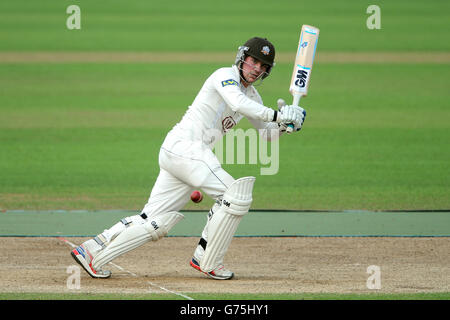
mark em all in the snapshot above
pixel 228 87
pixel 268 130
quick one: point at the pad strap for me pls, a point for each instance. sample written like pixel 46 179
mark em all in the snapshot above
pixel 203 243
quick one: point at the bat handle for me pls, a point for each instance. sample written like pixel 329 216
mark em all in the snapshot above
pixel 290 128
pixel 296 99
pixel 295 102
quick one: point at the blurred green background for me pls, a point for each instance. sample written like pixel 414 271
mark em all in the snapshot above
pixel 77 134
pixel 221 25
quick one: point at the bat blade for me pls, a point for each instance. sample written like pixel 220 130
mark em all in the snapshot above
pixel 304 60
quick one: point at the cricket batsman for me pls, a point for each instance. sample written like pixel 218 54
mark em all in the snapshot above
pixel 187 163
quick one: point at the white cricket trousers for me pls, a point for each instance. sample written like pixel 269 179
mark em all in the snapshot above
pixel 185 166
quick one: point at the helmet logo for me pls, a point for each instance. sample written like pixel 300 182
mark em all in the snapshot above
pixel 265 50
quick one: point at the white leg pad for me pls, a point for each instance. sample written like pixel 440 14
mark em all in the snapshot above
pixel 136 235
pixel 223 224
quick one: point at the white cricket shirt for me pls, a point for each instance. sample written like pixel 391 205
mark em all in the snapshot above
pixel 220 104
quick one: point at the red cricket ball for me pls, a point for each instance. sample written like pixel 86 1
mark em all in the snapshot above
pixel 196 196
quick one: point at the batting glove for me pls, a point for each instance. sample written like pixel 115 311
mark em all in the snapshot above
pixel 292 115
pixel 303 112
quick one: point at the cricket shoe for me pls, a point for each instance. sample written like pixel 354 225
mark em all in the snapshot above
pixel 84 259
pixel 219 273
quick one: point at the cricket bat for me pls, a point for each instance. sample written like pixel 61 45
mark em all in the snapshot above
pixel 304 60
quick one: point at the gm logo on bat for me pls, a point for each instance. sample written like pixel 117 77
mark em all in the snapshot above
pixel 302 75
pixel 229 82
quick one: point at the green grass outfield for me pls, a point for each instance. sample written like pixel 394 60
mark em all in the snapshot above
pixel 86 136
pixel 203 25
